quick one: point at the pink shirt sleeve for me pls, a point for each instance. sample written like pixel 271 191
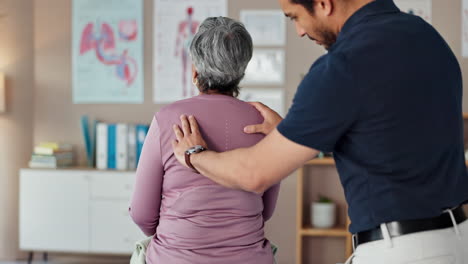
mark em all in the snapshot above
pixel 146 199
pixel 269 201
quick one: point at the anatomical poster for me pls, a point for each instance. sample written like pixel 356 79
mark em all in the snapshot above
pixel 175 24
pixel 271 97
pixel 422 8
pixel 107 51
pixel 265 68
pixel 465 29
pixel 267 27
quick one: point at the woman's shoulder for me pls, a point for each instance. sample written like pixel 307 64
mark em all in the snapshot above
pixel 174 108
pixel 213 105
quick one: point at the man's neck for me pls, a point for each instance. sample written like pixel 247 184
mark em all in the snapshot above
pixel 349 8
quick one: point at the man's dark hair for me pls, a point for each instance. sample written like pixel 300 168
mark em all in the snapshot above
pixel 307 4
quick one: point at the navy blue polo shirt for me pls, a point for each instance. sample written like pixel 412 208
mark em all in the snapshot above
pixel 387 101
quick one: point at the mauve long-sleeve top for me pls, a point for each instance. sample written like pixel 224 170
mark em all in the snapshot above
pixel 194 219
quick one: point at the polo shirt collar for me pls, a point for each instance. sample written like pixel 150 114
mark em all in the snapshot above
pixel 376 7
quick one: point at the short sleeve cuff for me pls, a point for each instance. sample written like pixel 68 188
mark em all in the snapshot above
pixel 295 136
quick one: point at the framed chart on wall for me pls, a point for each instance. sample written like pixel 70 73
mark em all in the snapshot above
pixel 267 27
pixel 271 97
pixel 107 51
pixel 465 28
pixel 175 24
pixel 421 8
pixel 266 67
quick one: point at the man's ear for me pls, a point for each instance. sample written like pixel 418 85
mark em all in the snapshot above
pixel 324 7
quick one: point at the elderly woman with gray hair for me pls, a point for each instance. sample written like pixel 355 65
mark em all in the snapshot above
pixel 193 219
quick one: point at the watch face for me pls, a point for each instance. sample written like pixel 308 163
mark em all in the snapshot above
pixel 195 149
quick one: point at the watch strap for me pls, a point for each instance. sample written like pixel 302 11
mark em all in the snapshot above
pixel 187 161
pixel 189 152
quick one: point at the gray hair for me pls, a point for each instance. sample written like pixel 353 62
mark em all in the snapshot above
pixel 220 51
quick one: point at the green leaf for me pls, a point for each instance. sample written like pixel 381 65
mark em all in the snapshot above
pixel 324 199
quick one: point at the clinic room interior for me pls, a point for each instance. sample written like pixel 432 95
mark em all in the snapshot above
pixel 70 69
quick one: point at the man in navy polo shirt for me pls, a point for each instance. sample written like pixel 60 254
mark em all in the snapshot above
pixel 387 101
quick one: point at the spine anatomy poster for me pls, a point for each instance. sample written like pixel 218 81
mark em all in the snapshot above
pixel 175 24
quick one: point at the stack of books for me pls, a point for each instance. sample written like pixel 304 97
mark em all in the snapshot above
pixel 51 155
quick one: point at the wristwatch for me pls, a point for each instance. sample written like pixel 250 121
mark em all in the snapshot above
pixel 190 151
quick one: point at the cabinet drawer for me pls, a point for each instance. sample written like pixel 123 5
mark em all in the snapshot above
pixel 112 229
pixel 54 210
pixel 112 185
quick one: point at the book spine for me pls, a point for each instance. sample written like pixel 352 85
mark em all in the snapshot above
pixel 122 147
pixel 43 151
pixel 49 165
pixel 111 146
pixel 93 142
pixel 132 147
pixel 101 146
pixel 87 139
pixel 142 130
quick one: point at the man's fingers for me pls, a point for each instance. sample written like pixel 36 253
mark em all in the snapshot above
pixel 178 132
pixel 193 125
pixel 263 109
pixel 185 125
pixel 253 129
pixel 259 106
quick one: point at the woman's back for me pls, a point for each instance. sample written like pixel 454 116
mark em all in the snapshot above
pixel 199 220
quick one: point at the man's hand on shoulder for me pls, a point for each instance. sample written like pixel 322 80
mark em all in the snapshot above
pixel 271 120
pixel 187 137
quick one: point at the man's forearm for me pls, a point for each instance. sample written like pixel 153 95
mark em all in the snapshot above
pixel 253 169
pixel 232 169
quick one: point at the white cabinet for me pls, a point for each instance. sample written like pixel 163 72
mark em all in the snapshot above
pixel 111 232
pixel 54 211
pixel 83 211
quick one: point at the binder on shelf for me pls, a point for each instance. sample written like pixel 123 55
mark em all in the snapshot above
pixel 132 149
pixel 111 146
pixel 122 147
pixel 87 139
pixel 101 145
pixel 93 142
pixel 141 131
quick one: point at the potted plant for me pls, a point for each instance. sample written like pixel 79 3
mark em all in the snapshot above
pixel 323 213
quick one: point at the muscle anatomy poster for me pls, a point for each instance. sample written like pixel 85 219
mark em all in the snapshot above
pixel 465 29
pixel 107 51
pixel 271 97
pixel 267 27
pixel 422 8
pixel 175 24
pixel 267 66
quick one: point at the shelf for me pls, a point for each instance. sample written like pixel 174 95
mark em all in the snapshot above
pixel 324 232
pixel 321 161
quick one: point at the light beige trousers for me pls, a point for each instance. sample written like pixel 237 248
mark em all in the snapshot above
pixel 443 246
